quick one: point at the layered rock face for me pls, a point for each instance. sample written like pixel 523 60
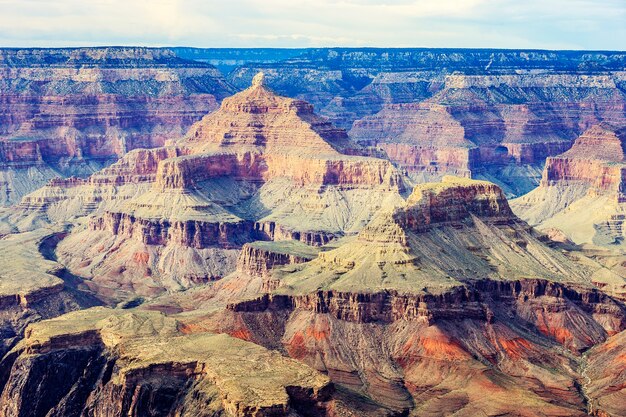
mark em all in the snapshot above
pixel 443 306
pixel 494 122
pixel 489 114
pixel 261 167
pixel 104 362
pixel 347 84
pixel 72 111
pixel 596 159
pixel 263 264
pixel 582 190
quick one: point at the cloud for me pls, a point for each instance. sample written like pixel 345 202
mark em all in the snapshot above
pixel 575 24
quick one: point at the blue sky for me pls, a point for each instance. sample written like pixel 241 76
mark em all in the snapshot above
pixel 546 24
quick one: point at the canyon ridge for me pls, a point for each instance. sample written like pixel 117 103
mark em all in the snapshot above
pixel 312 232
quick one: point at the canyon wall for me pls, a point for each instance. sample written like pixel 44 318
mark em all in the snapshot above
pixel 70 112
pixel 482 113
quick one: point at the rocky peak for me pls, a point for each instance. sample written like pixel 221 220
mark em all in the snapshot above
pixel 259 80
pixel 454 199
pixel 261 118
pixel 602 142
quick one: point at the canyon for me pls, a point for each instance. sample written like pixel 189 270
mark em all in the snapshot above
pixel 490 114
pixel 67 112
pixel 338 232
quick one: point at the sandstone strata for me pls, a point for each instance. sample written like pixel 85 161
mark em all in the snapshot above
pixel 115 362
pixel 489 114
pixel 452 284
pixel 72 111
pixel 262 167
pixel 582 190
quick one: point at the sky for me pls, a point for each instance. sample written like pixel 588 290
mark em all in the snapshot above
pixel 540 24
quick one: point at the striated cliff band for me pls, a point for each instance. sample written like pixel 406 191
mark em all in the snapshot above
pixel 491 114
pixel 582 190
pixel 445 305
pixel 242 255
pixel 67 112
pixel 262 167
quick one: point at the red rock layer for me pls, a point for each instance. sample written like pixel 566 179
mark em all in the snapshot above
pixel 61 107
pixel 508 330
pixel 512 119
pixel 596 159
pixel 255 136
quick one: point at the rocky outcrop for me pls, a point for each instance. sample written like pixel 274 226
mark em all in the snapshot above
pixel 405 308
pixel 453 200
pixel 106 362
pixel 596 159
pixel 259 258
pixel 33 287
pixel 197 234
pixel 262 167
pixel 582 190
pixel 428 108
pixel 69 111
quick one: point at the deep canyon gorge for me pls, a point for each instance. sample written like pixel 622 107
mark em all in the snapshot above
pixel 312 232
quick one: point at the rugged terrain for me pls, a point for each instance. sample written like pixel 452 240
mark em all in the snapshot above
pixel 488 113
pixel 262 167
pixel 582 190
pixel 103 362
pixel 70 112
pixel 453 304
pixel 263 262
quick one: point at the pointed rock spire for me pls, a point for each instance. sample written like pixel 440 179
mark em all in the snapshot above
pixel 259 80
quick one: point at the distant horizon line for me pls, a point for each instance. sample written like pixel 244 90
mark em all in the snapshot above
pixel 295 48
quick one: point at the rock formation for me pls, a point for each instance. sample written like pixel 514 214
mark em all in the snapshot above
pixel 105 362
pixel 261 167
pixel 67 112
pixel 31 285
pixel 264 264
pixel 582 190
pixel 445 305
pixel 490 114
pixel 604 379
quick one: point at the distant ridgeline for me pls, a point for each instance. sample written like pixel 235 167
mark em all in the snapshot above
pixel 473 60
pixel 485 113
pixel 480 113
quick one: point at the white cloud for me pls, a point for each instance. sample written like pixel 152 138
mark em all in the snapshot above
pixel 438 23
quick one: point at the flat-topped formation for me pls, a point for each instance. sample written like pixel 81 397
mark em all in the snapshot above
pixel 602 142
pixel 450 283
pixel 597 159
pixel 582 190
pixel 24 273
pixel 448 233
pixel 143 364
